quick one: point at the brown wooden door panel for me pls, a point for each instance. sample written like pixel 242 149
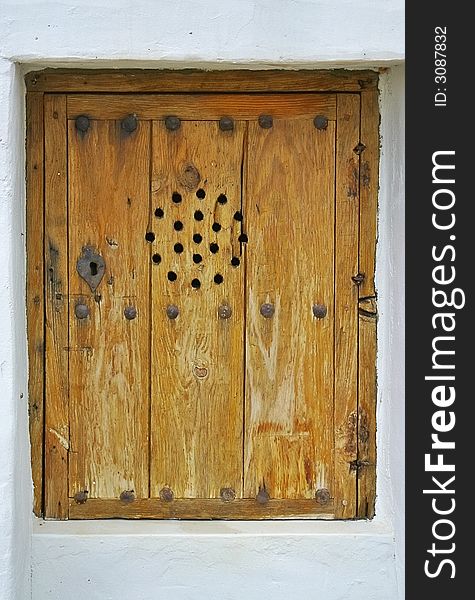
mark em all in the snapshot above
pixel 109 354
pixel 213 371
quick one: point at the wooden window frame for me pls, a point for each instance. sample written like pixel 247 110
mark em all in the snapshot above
pixel 45 86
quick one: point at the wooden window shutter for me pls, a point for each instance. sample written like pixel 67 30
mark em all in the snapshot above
pixel 201 302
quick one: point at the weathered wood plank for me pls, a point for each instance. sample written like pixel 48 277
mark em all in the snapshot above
pixel 193 81
pixel 109 358
pixel 202 107
pixel 197 358
pixel 289 214
pixel 35 306
pixel 346 303
pixel 197 508
pixel 56 298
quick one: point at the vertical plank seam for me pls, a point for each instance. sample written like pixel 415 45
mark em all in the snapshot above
pixel 244 310
pixel 45 408
pixel 67 298
pixel 358 374
pixel 335 250
pixel 150 315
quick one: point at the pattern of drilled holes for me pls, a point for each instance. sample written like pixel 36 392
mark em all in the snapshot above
pixel 222 199
pixel 216 227
pixel 238 215
pixel 156 259
pixel 199 216
pixel 243 238
pixel 171 276
pixel 201 194
pixel 218 278
pixel 235 261
pixel 196 284
pixel 177 225
pixel 197 258
pixel 176 198
pixel 150 236
pixel 197 238
pixel 214 248
pixel 159 213
pixel 178 248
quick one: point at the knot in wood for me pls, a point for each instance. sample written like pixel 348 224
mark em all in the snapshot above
pixel 200 372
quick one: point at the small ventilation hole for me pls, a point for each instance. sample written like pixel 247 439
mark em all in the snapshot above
pixel 178 225
pixel 197 238
pixel 243 238
pixel 198 215
pixel 157 259
pixel 222 199
pixel 218 278
pixel 196 284
pixel 216 227
pixel 214 248
pixel 171 275
pixel 178 248
pixel 159 213
pixel 201 194
pixel 238 215
pixel 235 261
pixel 176 198
pixel 197 258
pixel 150 236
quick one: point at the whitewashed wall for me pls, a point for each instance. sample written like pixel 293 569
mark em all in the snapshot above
pixel 187 560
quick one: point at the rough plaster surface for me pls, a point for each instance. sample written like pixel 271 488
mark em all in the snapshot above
pixel 196 560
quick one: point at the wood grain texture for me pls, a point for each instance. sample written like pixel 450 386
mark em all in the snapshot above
pixel 346 303
pixel 192 81
pixel 109 361
pixel 202 107
pixel 197 358
pixel 369 185
pixel 56 299
pixel 199 509
pixel 289 213
pixel 35 306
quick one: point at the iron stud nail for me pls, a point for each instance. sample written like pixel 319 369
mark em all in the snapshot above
pixel 172 123
pixel 319 311
pixel 266 121
pixel 129 124
pixel 166 494
pixel 263 496
pixel 82 123
pixel 358 278
pixel 172 311
pixel 81 311
pixel 225 311
pixel 130 312
pixel 127 496
pixel 267 310
pixel 359 148
pixel 81 497
pixel 226 124
pixel 227 494
pixel 320 122
pixel 322 496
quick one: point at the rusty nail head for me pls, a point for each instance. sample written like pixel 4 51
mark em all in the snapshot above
pixel 172 311
pixel 81 311
pixel 320 122
pixel 319 311
pixel 266 121
pixel 82 123
pixel 267 310
pixel 81 497
pixel 129 124
pixel 322 496
pixel 127 496
pixel 226 124
pixel 166 494
pixel 359 148
pixel 225 311
pixel 227 494
pixel 358 278
pixel 172 123
pixel 130 312
pixel 263 496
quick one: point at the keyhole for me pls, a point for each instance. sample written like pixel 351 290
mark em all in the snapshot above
pixel 93 267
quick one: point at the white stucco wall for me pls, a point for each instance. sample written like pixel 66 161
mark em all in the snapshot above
pixel 195 560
